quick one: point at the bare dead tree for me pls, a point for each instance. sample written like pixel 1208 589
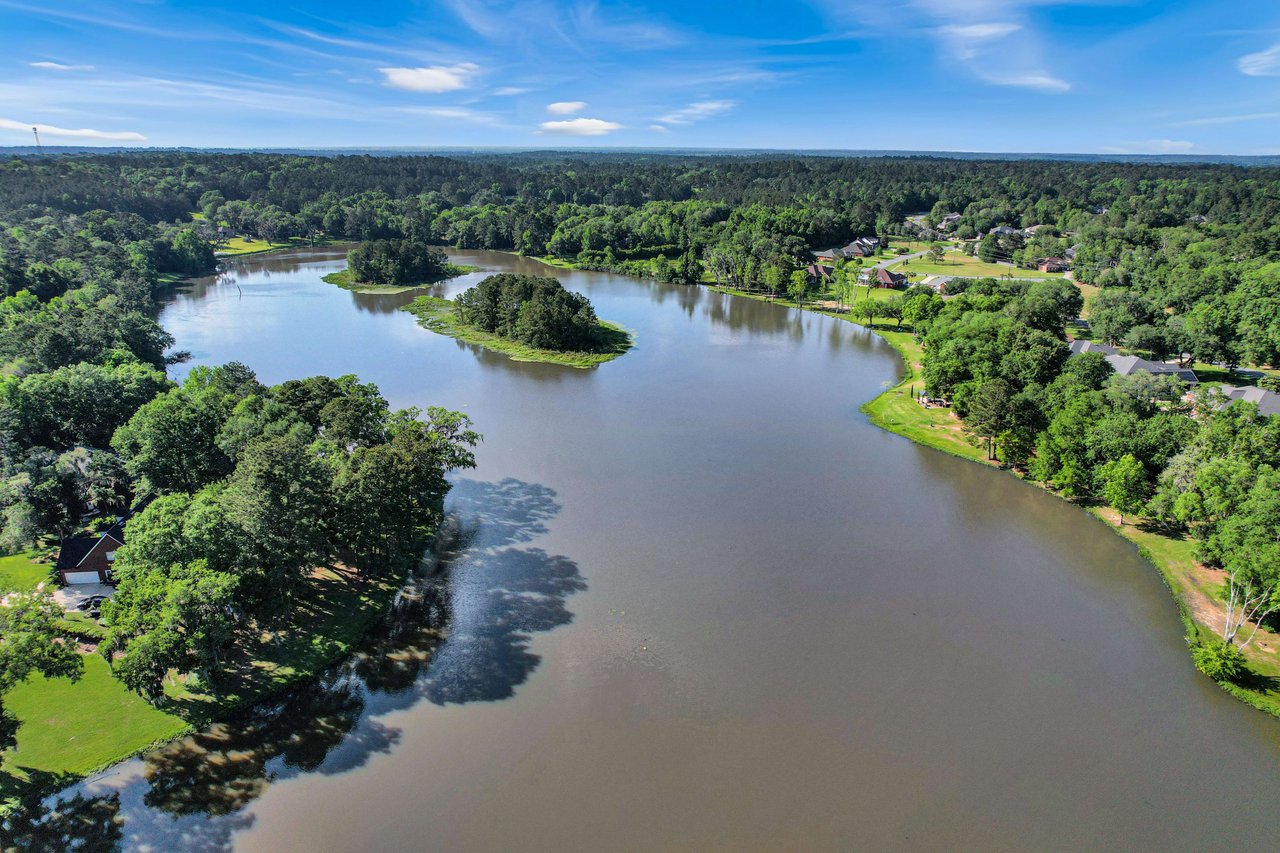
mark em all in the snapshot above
pixel 1246 604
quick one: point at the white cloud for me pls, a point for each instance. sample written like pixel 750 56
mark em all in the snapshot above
pixel 696 111
pixel 457 113
pixel 433 78
pixel 980 31
pixel 1213 120
pixel 1264 63
pixel 1152 146
pixel 81 133
pixel 58 66
pixel 996 41
pixel 660 128
pixel 508 91
pixel 566 108
pixel 1043 82
pixel 580 127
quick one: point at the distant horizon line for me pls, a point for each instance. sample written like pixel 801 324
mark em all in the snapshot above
pixel 1167 157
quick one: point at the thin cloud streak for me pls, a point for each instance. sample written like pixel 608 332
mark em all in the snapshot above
pixel 77 133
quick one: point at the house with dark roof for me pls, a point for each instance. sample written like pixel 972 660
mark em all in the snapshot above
pixel 89 559
pixel 863 247
pixel 1003 231
pixel 1268 402
pixel 818 274
pixel 886 278
pixel 1079 346
pixel 1127 365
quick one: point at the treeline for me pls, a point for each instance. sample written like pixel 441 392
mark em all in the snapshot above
pixel 535 310
pixel 254 488
pixel 1190 245
pixel 1134 442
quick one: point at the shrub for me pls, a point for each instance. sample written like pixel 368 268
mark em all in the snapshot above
pixel 1222 662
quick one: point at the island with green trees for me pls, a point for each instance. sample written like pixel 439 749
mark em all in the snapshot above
pixel 392 266
pixel 530 318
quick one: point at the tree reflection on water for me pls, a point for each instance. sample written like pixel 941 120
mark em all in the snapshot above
pixel 459 632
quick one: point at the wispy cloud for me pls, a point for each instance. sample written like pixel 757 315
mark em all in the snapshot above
pixel 1264 63
pixel 659 128
pixel 58 66
pixel 78 133
pixel 580 127
pixel 566 108
pixel 994 40
pixel 454 113
pixel 508 91
pixel 1151 146
pixel 432 78
pixel 1210 121
pixel 696 112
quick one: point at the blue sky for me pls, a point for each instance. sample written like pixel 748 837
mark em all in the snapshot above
pixel 1141 76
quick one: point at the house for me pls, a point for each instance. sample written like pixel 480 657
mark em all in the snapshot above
pixel 863 247
pixel 1127 365
pixel 937 282
pixel 89 559
pixel 818 273
pixel 1079 346
pixel 948 222
pixel 1052 265
pixel 829 255
pixel 1070 254
pixel 1268 402
pixel 885 278
pixel 1031 230
pixel 1003 231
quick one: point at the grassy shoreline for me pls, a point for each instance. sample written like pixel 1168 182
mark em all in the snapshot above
pixel 1195 589
pixel 438 316
pixel 343 279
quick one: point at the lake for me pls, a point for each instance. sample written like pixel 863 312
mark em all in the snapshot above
pixel 696 601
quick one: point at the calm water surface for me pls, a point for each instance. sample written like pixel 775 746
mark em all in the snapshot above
pixel 697 601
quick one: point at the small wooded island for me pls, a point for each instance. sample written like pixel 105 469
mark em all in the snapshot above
pixel 530 318
pixel 394 265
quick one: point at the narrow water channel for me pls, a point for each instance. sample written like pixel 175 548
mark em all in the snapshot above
pixel 696 601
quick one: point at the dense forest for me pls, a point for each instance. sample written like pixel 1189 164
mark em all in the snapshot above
pixel 1187 258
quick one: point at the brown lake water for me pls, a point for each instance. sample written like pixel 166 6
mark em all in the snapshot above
pixel 696 601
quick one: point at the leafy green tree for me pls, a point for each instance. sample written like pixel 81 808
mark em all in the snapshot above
pixel 798 287
pixel 1123 485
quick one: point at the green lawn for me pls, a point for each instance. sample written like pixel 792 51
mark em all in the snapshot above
pixel 70 729
pixel 438 315
pixel 247 246
pixel 19 573
pixel 960 264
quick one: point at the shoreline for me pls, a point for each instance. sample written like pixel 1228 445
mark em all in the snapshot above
pixel 1189 583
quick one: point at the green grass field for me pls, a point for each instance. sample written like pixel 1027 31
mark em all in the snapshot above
pixel 960 264
pixel 438 316
pixel 19 573
pixel 70 729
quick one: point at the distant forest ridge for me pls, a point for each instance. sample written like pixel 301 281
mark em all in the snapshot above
pixel 471 151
